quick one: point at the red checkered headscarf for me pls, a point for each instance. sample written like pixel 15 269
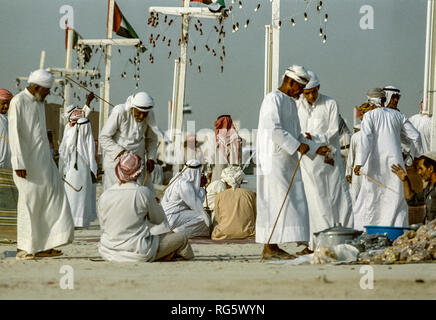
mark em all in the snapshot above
pixel 129 167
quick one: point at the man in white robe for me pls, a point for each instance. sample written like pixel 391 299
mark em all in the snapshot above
pixel 183 202
pixel 130 127
pixel 43 212
pixel 422 123
pixel 5 151
pixel 382 131
pixel 326 188
pixel 134 225
pixel 278 140
pixel 77 154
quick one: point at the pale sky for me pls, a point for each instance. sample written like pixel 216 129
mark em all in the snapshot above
pixel 348 64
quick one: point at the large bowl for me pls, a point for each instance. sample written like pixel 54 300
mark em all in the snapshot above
pixel 391 232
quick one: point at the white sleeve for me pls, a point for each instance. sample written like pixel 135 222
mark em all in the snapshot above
pixel 107 142
pixel 366 139
pixel 16 138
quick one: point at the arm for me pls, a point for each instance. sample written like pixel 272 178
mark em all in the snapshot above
pixel 402 175
pixel 351 157
pixel 333 128
pixel 366 140
pixel 16 138
pixel 107 142
pixel 154 214
pixel 150 144
pixel 411 135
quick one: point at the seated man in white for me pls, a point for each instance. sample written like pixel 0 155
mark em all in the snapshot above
pixel 183 201
pixel 134 225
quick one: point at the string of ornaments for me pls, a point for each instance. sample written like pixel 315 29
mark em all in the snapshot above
pixel 236 15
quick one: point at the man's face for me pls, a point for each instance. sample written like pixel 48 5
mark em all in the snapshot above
pixel 4 106
pixel 311 95
pixel 295 89
pixel 423 172
pixel 41 93
pixel 394 101
pixel 139 115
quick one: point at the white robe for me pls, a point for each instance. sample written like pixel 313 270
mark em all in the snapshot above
pixel 122 132
pixel 278 139
pixel 81 202
pixel 43 212
pixel 131 221
pixel 381 132
pixel 183 205
pixel 356 181
pixel 5 151
pixel 422 123
pixel 327 192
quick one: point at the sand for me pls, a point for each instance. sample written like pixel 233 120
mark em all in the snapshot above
pixel 219 271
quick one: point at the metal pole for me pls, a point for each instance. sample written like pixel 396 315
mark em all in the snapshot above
pixel 41 62
pixel 428 40
pixel 275 44
pixel 267 71
pixel 108 58
pixel 68 58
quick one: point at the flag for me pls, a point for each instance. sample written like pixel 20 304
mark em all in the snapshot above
pixel 86 51
pixel 121 26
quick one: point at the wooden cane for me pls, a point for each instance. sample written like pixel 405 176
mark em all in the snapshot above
pixel 83 87
pixel 72 187
pixel 284 200
pixel 146 178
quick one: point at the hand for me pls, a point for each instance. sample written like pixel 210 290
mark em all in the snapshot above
pixel 308 136
pixel 120 154
pixel 21 173
pixel 303 148
pixel 89 98
pixel 357 170
pixel 203 181
pixel 93 178
pixel 322 151
pixel 399 172
pixel 150 165
pixel 348 177
pixel 209 176
pixel 329 161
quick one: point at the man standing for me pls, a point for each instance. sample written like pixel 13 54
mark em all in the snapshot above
pixel 43 213
pixel 77 154
pixel 327 192
pixel 5 152
pixel 278 140
pixel 382 130
pixel 134 225
pixel 130 127
pixel 183 202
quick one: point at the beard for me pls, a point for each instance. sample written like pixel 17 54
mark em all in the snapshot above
pixel 39 98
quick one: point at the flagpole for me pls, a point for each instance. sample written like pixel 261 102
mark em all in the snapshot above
pixel 68 58
pixel 108 57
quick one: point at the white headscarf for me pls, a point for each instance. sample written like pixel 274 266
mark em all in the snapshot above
pixel 313 82
pixel 390 91
pixel 42 78
pixel 233 176
pixel 297 73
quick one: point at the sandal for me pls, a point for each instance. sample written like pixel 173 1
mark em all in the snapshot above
pixel 49 253
pixel 23 255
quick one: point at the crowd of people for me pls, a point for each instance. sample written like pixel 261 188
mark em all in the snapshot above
pixel 303 185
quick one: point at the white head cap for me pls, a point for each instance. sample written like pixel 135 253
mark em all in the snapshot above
pixel 313 82
pixel 233 175
pixel 390 91
pixel 42 78
pixel 297 73
pixel 142 101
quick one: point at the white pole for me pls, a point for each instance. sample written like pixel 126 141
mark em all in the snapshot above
pixel 108 58
pixel 428 41
pixel 41 62
pixel 68 58
pixel 267 71
pixel 432 71
pixel 275 44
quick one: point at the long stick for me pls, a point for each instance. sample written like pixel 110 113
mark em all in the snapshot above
pixel 83 87
pixel 163 191
pixel 146 178
pixel 374 181
pixel 4 138
pixel 284 200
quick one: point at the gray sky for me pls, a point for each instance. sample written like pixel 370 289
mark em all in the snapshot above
pixel 348 64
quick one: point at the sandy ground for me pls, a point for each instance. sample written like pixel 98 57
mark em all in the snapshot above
pixel 219 271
